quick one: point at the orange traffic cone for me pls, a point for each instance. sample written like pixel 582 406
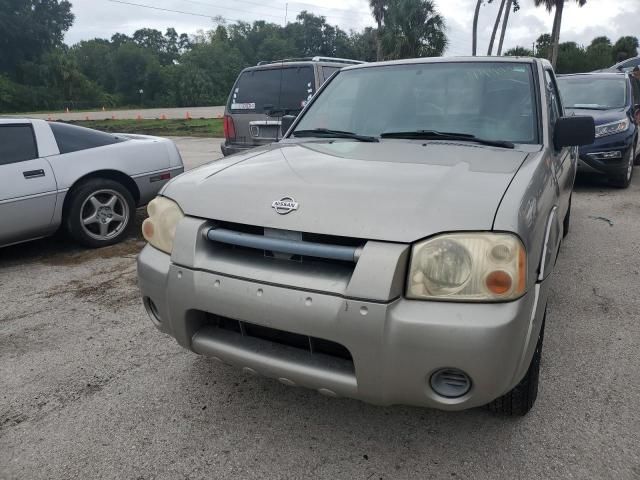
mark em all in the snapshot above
pixel 163 117
pixel 138 117
pixel 86 117
pixel 187 116
pixel 113 117
pixel 49 118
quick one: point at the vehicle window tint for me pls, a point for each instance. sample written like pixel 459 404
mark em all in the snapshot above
pixel 593 91
pixel 555 110
pixel 17 144
pixel 328 71
pixel 273 88
pixel 71 138
pixel 635 85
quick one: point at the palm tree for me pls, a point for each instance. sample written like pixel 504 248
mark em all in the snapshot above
pixel 557 23
pixel 495 27
pixel 474 48
pixel 378 8
pixel 504 26
pixel 413 28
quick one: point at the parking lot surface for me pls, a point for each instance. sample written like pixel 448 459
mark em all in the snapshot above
pixel 90 389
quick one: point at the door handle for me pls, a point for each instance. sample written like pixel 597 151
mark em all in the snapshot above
pixel 33 174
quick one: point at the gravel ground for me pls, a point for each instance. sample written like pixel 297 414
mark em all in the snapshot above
pixel 89 389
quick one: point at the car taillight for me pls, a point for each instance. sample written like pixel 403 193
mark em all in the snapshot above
pixel 229 128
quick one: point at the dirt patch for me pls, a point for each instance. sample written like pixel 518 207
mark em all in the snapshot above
pixel 118 290
pixel 127 249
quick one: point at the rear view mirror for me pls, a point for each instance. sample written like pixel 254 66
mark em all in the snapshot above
pixel 286 123
pixel 574 132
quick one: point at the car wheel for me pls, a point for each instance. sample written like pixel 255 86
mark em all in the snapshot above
pixel 623 181
pixel 519 400
pixel 100 212
pixel 567 221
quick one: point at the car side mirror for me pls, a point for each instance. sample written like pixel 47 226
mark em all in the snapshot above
pixel 286 122
pixel 574 132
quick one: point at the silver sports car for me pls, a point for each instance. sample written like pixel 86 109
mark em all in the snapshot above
pixel 396 246
pixel 88 182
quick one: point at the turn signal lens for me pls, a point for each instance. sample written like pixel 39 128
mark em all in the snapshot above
pixel 468 267
pixel 160 228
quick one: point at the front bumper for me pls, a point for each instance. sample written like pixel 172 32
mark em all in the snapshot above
pixel 590 163
pixel 395 345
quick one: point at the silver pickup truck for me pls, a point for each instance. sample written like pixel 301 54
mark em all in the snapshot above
pixel 395 247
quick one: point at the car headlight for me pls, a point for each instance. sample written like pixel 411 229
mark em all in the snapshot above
pixel 612 128
pixel 160 228
pixel 477 267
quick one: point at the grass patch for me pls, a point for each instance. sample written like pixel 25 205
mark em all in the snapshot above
pixel 196 127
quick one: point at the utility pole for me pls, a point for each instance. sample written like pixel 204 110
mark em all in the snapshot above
pixel 286 12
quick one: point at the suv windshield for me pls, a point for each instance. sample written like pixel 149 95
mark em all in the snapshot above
pixel 492 101
pixel 592 92
pixel 273 89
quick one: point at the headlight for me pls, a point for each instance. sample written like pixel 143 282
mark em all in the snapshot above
pixel 160 228
pixel 612 128
pixel 477 267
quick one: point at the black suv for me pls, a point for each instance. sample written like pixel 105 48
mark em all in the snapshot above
pixel 263 94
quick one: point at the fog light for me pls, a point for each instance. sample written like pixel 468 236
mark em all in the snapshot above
pixel 613 155
pixel 450 382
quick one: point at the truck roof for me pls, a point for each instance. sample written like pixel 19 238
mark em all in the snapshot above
pixel 416 61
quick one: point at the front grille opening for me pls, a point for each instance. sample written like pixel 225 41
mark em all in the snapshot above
pixel 306 237
pixel 313 345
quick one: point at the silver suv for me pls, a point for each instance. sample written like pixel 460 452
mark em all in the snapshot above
pixel 264 93
pixel 396 246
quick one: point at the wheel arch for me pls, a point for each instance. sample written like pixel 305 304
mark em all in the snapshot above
pixel 114 175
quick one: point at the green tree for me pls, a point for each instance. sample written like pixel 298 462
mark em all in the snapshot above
pixel 558 5
pixel 543 45
pixel 378 8
pixel 626 47
pixel 29 28
pixel 518 52
pixel 599 54
pixel 413 28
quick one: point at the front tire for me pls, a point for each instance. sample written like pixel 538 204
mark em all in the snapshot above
pixel 100 213
pixel 520 400
pixel 624 180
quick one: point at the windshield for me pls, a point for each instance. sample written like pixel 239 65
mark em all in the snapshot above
pixel 493 101
pixel 272 89
pixel 593 92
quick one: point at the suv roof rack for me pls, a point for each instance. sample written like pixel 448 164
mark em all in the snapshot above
pixel 314 59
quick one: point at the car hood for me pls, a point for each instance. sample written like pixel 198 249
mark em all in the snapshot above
pixel 600 117
pixel 393 190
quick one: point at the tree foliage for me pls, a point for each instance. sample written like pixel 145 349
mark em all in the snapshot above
pixel 153 68
pixel 573 58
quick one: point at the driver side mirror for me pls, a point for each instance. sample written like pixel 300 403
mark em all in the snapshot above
pixel 285 123
pixel 574 132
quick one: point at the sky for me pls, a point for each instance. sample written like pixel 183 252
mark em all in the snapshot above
pixel 103 18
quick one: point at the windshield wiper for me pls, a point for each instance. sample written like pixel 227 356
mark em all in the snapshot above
pixel 326 133
pixel 435 135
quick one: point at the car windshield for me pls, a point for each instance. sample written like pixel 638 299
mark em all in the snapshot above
pixel 489 100
pixel 592 92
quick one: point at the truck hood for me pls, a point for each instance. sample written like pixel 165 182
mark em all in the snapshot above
pixel 395 190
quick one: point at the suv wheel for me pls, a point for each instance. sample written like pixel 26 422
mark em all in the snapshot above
pixel 100 213
pixel 623 181
pixel 518 401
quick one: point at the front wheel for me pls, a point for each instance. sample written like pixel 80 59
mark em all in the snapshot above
pixel 100 213
pixel 624 180
pixel 518 401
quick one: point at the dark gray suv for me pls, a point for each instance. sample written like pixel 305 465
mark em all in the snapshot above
pixel 263 94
